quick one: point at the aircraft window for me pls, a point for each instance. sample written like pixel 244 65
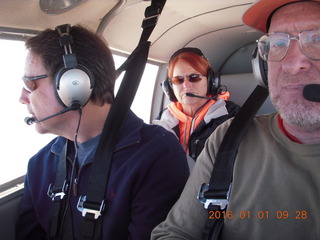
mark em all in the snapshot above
pixel 20 141
pixel 141 105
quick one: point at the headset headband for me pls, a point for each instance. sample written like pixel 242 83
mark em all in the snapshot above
pixel 187 49
pixel 69 58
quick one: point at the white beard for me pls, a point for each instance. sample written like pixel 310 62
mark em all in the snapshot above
pixel 298 112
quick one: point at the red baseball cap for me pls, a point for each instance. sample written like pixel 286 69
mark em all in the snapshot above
pixel 258 14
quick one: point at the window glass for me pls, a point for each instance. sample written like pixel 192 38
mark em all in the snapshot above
pixel 19 140
pixel 141 105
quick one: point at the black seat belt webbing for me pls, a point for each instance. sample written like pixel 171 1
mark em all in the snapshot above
pixel 57 192
pixel 151 14
pixel 218 190
pixel 93 204
pixel 102 160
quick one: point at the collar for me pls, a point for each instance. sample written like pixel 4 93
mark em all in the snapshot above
pixel 211 110
pixel 285 132
pixel 130 133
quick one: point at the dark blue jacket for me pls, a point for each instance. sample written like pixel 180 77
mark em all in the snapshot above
pixel 148 172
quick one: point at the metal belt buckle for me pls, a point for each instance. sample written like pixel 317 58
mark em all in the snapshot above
pixel 60 194
pixel 223 203
pixel 81 208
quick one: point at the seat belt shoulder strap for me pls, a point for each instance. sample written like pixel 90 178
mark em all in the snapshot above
pixel 92 205
pixel 215 195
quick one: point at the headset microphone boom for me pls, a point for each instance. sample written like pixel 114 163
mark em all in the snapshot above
pixel 193 95
pixel 30 120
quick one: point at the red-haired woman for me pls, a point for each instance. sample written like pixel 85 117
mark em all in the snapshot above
pixel 193 118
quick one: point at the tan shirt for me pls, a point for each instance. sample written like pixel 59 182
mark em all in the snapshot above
pixel 275 195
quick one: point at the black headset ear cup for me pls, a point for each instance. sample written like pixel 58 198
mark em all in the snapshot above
pixel 213 82
pixel 260 69
pixel 168 91
pixel 73 86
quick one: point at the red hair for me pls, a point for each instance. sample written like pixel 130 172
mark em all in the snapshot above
pixel 199 63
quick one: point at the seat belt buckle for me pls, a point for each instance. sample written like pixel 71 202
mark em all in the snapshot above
pixel 150 21
pixel 223 202
pixel 96 212
pixel 57 193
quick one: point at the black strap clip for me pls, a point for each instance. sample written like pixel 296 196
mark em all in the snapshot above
pixel 150 21
pixel 217 201
pixel 91 208
pixel 57 193
pixel 152 13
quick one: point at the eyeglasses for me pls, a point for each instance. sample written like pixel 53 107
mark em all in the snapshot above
pixel 274 46
pixel 194 77
pixel 29 83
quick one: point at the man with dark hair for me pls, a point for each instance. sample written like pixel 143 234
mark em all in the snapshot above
pixel 70 71
pixel 276 180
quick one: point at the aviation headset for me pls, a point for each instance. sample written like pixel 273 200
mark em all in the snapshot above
pixel 212 77
pixel 73 81
pixel 259 68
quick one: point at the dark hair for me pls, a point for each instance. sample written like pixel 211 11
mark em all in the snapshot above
pixel 91 51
